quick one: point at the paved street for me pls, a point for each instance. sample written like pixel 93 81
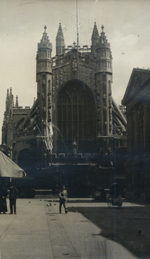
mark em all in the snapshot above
pixel 89 230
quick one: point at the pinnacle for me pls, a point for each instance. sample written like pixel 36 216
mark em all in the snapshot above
pixel 7 93
pixel 17 101
pixel 102 28
pixel 95 31
pixel 60 32
pixel 45 38
pixel 45 27
pixel 102 38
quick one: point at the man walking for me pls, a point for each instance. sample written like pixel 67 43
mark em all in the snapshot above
pixel 63 195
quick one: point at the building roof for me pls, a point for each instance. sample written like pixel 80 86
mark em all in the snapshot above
pixel 136 85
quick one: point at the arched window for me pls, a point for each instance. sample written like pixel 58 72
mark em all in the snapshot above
pixel 76 114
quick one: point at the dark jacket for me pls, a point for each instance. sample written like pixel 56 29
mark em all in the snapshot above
pixel 13 193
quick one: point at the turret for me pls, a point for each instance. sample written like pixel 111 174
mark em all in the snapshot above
pixel 8 117
pixel 60 43
pixel 104 55
pixel 9 102
pixel 44 80
pixel 103 85
pixel 43 58
pixel 94 38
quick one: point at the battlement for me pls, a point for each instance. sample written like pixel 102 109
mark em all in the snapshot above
pixel 22 108
pixel 101 45
pixel 44 45
pixel 82 49
pixel 71 53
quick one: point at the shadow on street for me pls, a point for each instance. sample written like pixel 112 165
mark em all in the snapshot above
pixel 128 226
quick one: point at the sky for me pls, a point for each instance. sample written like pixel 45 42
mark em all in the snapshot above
pixel 126 25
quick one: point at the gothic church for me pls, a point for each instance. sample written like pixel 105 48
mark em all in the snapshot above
pixel 74 117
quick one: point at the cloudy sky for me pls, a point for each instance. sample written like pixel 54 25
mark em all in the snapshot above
pixel 126 24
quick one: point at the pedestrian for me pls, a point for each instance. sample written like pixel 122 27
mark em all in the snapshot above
pixel 3 202
pixel 12 198
pixel 63 195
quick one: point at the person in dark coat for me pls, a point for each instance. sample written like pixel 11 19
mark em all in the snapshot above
pixel 12 198
pixel 3 203
pixel 63 195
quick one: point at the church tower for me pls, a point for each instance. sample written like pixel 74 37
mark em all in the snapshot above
pixel 8 123
pixel 60 43
pixel 103 77
pixel 44 81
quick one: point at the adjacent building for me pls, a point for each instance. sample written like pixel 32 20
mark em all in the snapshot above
pixel 137 102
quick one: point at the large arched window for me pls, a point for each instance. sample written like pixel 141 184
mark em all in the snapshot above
pixel 76 114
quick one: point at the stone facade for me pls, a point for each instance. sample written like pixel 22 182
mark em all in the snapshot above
pixel 74 112
pixel 137 102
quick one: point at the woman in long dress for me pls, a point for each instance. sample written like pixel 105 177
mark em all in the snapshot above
pixel 3 202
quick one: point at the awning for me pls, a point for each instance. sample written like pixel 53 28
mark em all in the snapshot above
pixel 8 168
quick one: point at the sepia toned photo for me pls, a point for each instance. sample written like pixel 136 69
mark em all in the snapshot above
pixel 75 129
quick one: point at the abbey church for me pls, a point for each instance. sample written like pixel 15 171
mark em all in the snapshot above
pixel 74 118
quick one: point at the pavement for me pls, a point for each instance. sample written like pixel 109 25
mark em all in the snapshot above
pixel 89 230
